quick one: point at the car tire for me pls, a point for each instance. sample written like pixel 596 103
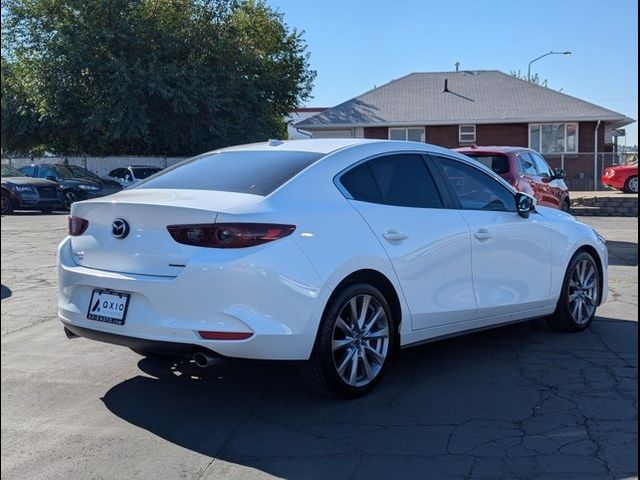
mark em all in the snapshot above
pixel 7 204
pixel 631 185
pixel 580 295
pixel 566 206
pixel 70 197
pixel 351 354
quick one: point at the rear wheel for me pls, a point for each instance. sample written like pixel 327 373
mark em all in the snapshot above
pixel 7 205
pixel 580 295
pixel 632 185
pixel 354 342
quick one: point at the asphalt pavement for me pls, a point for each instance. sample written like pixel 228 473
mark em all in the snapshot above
pixel 521 401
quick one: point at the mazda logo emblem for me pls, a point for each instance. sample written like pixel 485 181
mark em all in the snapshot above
pixel 119 228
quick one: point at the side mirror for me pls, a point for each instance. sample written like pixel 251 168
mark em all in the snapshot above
pixel 525 204
pixel 559 174
pixel 52 178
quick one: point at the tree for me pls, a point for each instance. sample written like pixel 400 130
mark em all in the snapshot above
pixel 154 77
pixel 535 78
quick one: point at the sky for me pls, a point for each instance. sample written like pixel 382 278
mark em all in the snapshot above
pixel 356 45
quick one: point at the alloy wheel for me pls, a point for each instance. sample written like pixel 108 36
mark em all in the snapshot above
pixel 633 185
pixel 70 197
pixel 583 291
pixel 360 342
pixel 5 206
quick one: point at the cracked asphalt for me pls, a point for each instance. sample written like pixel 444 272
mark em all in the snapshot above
pixel 517 402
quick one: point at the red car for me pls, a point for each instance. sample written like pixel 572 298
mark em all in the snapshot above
pixel 527 171
pixel 622 177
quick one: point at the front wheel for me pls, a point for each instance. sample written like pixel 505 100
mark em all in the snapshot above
pixel 354 342
pixel 70 197
pixel 580 295
pixel 7 204
pixel 632 185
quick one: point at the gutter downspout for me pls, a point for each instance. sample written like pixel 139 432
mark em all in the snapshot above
pixel 595 158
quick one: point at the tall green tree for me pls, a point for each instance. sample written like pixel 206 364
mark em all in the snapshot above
pixel 153 77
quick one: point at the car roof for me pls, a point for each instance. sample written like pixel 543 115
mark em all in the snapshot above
pixel 492 149
pixel 311 145
pixel 142 166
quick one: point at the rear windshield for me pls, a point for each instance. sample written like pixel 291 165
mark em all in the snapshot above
pixel 255 172
pixel 144 172
pixel 498 163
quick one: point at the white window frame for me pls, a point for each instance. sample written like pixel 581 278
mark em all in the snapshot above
pixel 406 132
pixel 460 134
pixel 538 148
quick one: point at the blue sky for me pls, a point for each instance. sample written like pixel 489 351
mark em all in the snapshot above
pixel 357 44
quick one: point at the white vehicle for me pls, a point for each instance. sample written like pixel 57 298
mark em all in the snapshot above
pixel 330 252
pixel 128 176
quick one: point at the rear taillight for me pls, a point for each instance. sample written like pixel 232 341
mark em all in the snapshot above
pixel 77 225
pixel 229 235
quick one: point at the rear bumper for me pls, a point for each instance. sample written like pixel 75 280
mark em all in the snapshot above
pixel 274 295
pixel 140 344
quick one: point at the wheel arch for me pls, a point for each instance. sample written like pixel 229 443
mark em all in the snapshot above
pixel 380 281
pixel 599 265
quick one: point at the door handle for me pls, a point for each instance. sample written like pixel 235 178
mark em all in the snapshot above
pixel 393 236
pixel 484 234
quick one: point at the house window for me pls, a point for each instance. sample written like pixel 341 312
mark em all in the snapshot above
pixel 410 134
pixel 467 134
pixel 553 137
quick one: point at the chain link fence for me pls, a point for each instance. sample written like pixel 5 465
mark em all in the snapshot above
pixel 99 165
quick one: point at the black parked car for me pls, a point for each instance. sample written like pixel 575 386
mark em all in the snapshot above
pixel 77 183
pixel 23 193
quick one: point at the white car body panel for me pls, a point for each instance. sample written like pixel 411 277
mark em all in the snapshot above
pixel 446 280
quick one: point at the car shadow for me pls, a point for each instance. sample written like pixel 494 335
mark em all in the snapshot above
pixel 511 402
pixel 5 292
pixel 623 253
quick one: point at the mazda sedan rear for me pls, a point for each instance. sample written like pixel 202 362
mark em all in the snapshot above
pixel 329 252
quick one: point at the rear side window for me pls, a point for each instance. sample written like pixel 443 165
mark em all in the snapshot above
pixel 401 180
pixel 28 171
pixel 498 163
pixel 477 190
pixel 254 172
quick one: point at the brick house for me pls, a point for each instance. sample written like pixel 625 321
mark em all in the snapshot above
pixel 454 109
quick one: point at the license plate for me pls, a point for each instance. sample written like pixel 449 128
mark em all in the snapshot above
pixel 108 306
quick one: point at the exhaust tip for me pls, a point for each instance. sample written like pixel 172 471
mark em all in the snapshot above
pixel 203 360
pixel 70 335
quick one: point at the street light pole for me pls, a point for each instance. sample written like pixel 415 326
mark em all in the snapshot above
pixel 542 56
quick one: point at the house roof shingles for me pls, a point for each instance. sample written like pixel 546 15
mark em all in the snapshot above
pixel 477 97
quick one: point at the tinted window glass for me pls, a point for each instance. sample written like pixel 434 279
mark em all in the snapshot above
pixel 526 162
pixel 477 190
pixel 498 163
pixel 360 184
pixel 400 180
pixel 44 172
pixel 255 172
pixel 9 171
pixel 28 171
pixel 144 172
pixel 541 165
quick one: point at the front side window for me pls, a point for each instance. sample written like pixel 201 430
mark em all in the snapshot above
pixel 527 165
pixel 467 134
pixel 541 165
pixel 407 134
pixel 255 172
pixel 401 180
pixel 553 137
pixel 28 171
pixel 477 190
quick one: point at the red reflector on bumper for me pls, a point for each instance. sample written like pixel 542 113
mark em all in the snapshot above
pixel 225 335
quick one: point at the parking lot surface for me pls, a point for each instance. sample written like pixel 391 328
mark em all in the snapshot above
pixel 517 402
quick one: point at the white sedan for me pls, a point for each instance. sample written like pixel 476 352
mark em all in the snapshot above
pixel 329 252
